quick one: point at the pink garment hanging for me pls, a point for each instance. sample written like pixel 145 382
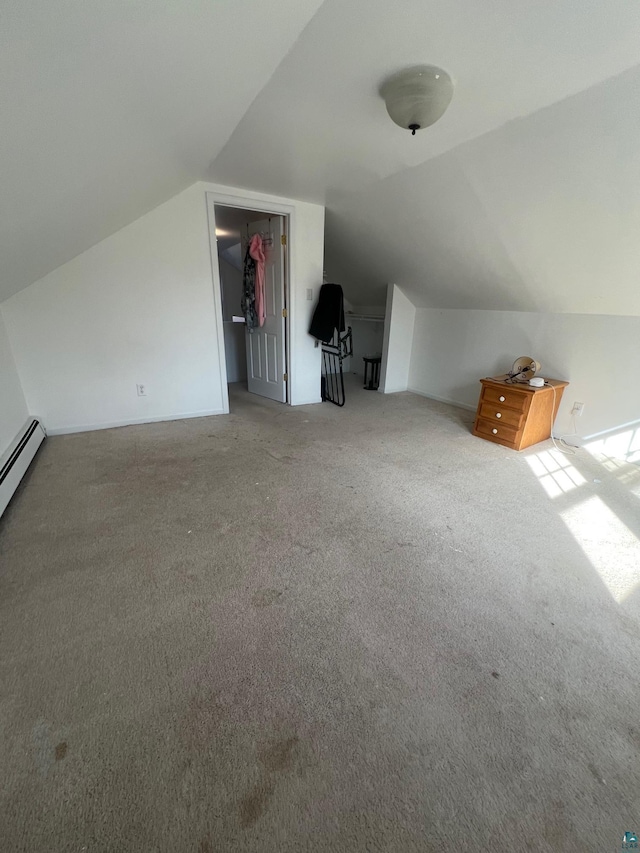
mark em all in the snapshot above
pixel 256 250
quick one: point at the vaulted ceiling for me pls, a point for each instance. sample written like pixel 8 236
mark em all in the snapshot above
pixel 542 214
pixel 524 196
pixel 110 107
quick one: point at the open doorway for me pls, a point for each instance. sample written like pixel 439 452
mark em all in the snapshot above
pixel 251 253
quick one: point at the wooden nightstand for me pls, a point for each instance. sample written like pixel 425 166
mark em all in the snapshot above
pixel 517 415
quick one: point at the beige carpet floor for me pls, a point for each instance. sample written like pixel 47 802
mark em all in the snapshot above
pixel 317 629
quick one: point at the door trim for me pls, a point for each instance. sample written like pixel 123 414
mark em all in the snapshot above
pixel 251 202
pixel 271 379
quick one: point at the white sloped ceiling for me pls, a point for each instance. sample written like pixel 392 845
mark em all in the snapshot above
pixel 506 202
pixel 523 196
pixel 110 108
pixel 542 214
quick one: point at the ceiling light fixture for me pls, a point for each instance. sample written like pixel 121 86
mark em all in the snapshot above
pixel 417 97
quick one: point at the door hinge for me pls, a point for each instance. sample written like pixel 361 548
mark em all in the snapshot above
pixel 284 312
pixel 283 240
pixel 286 377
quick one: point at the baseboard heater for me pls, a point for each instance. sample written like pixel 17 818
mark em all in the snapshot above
pixel 14 463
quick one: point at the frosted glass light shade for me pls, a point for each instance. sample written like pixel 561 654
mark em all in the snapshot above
pixel 417 97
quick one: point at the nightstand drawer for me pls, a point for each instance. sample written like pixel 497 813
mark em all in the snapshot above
pixel 497 431
pixel 497 412
pixel 505 397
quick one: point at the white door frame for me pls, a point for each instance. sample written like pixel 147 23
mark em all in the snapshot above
pixel 260 205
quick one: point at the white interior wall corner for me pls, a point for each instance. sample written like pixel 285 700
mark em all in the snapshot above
pixel 454 348
pixel 397 341
pixel 13 405
pixel 137 307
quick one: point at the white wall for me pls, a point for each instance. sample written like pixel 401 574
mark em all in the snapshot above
pixel 597 354
pixel 141 307
pixel 235 351
pixel 136 308
pixel 306 257
pixel 13 407
pixel 231 279
pixel 368 336
pixel 398 335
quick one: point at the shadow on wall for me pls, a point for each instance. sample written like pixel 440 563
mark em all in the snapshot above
pixel 467 392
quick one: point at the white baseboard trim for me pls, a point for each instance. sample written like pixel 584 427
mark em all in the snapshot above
pixel 443 399
pixel 67 430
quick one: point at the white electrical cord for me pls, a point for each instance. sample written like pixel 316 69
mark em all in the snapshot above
pixel 569 449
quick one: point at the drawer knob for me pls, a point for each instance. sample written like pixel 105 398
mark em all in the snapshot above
pixel 502 399
pixel 498 414
pixel 494 431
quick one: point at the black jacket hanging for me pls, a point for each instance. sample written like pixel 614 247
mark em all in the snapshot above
pixel 248 300
pixel 329 313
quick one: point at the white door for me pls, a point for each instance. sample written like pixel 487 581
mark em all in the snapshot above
pixel 266 344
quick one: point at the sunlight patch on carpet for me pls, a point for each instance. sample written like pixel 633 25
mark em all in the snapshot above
pixel 611 547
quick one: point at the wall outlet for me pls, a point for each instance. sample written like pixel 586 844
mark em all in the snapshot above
pixel 142 390
pixel 309 294
pixel 578 408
